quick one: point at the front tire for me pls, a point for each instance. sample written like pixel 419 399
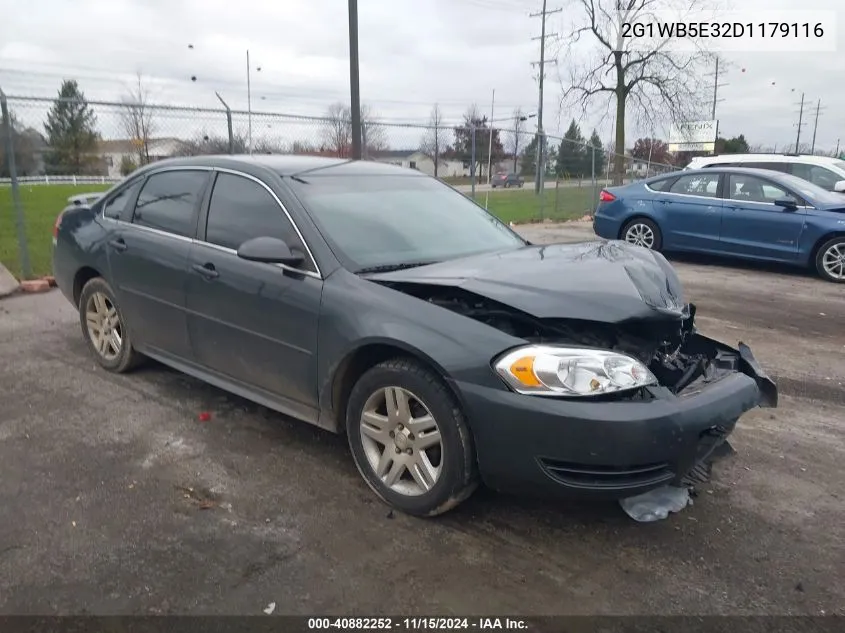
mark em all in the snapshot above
pixel 410 440
pixel 104 327
pixel 643 232
pixel 830 260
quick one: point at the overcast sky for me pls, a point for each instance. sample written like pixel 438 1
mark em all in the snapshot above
pixel 413 53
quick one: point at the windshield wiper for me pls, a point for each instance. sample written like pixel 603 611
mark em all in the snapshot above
pixel 386 268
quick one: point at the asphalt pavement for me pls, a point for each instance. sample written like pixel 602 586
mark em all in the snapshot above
pixel 117 499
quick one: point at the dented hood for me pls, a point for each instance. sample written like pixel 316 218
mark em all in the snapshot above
pixel 609 282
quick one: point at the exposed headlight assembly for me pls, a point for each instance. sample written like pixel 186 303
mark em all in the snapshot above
pixel 548 370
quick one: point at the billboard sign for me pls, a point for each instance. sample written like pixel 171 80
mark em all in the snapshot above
pixel 693 136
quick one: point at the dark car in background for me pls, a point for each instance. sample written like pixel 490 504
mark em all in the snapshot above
pixel 748 213
pixel 506 180
pixel 378 302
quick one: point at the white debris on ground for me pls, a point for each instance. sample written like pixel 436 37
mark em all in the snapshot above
pixel 655 505
pixel 270 608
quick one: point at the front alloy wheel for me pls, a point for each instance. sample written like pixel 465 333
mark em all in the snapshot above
pixel 830 260
pixel 401 441
pixel 409 438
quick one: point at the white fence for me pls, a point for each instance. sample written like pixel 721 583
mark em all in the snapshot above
pixel 61 180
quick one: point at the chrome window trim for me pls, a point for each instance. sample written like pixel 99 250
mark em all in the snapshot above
pixel 234 172
pixel 231 251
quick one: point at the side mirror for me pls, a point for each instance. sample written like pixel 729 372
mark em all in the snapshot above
pixel 788 204
pixel 839 186
pixel 269 250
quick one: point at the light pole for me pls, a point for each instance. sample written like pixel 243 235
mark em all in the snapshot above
pixel 249 100
pixel 354 89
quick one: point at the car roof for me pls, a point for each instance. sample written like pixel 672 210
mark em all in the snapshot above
pixel 776 158
pixel 287 164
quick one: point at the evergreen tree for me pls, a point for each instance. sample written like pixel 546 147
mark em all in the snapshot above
pixel 570 154
pixel 528 163
pixel 594 141
pixel 71 132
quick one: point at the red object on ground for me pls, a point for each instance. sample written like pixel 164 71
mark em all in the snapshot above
pixel 205 416
pixel 35 285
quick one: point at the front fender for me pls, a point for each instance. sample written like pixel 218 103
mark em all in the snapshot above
pixel 357 314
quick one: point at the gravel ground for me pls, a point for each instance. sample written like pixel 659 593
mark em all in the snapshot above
pixel 117 500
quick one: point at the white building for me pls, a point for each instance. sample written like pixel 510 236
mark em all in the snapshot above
pixel 114 152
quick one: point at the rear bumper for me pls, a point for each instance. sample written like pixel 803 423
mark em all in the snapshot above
pixel 607 449
pixel 605 227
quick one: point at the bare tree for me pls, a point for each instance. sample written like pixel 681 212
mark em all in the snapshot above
pixel 435 140
pixel 512 142
pixel 136 117
pixel 336 132
pixel 659 84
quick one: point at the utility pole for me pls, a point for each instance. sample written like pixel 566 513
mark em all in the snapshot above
pixel 490 145
pixel 248 103
pixel 816 125
pixel 716 86
pixel 538 181
pixel 353 80
pixel 800 120
pixel 837 148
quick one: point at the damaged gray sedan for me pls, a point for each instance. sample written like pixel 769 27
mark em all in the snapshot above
pixel 377 302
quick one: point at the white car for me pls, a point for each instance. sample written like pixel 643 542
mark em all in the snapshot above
pixel 824 171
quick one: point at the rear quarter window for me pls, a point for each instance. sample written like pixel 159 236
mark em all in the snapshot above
pixel 661 185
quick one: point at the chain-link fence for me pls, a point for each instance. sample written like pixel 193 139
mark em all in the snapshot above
pixel 82 146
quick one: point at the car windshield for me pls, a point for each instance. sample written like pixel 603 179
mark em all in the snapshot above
pixel 393 221
pixel 839 164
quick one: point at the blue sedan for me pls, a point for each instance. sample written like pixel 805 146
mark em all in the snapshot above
pixel 748 213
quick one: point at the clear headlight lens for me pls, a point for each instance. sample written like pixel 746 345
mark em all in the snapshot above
pixel 571 371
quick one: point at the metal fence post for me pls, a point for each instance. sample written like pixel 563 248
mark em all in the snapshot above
pixel 472 162
pixel 23 248
pixel 229 124
pixel 593 176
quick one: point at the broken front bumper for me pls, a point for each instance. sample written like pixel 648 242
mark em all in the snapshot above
pixel 609 448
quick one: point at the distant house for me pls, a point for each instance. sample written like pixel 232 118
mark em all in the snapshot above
pixel 415 159
pixel 114 152
pixel 641 168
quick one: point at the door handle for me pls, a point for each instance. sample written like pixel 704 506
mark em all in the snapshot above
pixel 118 244
pixel 206 270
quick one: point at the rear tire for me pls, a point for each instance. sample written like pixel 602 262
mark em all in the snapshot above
pixel 830 260
pixel 105 329
pixel 642 232
pixel 410 440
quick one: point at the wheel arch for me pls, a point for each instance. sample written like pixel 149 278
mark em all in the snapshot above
pixel 819 242
pixel 365 356
pixel 636 216
pixel 82 277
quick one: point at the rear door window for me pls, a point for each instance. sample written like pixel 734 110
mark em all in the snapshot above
pixel 706 185
pixel 774 166
pixel 116 205
pixel 170 200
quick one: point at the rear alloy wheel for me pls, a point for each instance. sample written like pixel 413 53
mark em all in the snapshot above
pixel 642 232
pixel 409 439
pixel 104 327
pixel 830 260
